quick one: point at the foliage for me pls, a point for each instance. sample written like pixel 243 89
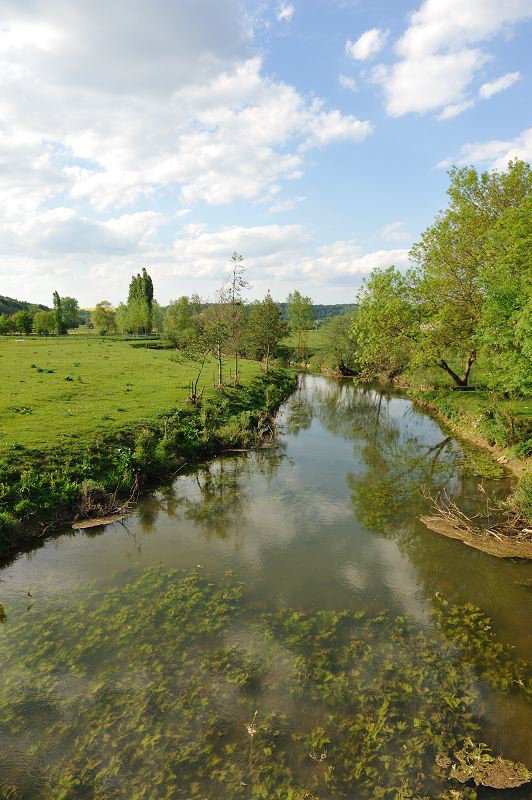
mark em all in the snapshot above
pixel 140 304
pixel 339 346
pixel 44 322
pixel 505 329
pixel 385 326
pixel 301 317
pixel 103 318
pixel 266 329
pixel 179 322
pixel 23 322
pixel 60 327
pixel 473 269
pixel 70 311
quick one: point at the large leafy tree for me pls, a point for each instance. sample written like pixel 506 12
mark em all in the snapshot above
pixel 505 329
pixel 179 322
pixel 438 314
pixel 44 322
pixel 266 328
pixel 386 327
pixel 70 309
pixel 451 256
pixel 23 322
pixel 103 317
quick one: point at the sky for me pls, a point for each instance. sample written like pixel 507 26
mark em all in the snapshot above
pixel 311 136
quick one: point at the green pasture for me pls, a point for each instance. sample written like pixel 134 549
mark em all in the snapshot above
pixel 61 389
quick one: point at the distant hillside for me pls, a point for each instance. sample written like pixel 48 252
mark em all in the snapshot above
pixel 10 306
pixel 323 311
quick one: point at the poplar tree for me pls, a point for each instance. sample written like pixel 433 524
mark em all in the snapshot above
pixel 58 311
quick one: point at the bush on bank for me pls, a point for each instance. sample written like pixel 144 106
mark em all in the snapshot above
pixel 43 487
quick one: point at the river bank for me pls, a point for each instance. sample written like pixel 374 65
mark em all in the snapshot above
pixel 42 490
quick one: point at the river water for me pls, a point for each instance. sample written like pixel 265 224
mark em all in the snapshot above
pixel 277 624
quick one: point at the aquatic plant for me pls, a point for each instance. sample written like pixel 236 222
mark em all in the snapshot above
pixel 171 685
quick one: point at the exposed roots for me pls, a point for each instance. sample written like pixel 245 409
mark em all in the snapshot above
pixel 499 532
pixel 98 507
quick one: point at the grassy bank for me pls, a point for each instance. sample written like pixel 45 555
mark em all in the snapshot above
pixel 121 420
pixel 503 426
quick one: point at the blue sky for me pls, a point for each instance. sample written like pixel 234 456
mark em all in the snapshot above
pixel 312 136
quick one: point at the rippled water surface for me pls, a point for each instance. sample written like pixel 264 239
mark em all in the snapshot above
pixel 274 625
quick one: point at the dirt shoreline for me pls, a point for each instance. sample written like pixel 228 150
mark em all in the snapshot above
pixel 517 467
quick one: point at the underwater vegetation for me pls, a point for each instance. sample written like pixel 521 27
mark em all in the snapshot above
pixel 175 686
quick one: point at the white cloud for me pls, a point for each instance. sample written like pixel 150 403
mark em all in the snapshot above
pixel 106 135
pixel 278 257
pixel 286 205
pixel 285 12
pixel 394 232
pixel 495 153
pixel 105 113
pixel 438 59
pixel 454 109
pixel 348 83
pixel 368 44
pixel 487 90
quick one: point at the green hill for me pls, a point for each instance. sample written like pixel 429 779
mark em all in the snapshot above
pixel 10 306
pixel 321 311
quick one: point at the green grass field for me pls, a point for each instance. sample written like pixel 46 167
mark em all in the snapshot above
pixel 95 386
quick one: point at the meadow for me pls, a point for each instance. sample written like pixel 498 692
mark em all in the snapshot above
pixel 60 389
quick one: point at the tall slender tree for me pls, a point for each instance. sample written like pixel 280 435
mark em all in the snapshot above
pixel 58 311
pixel 237 320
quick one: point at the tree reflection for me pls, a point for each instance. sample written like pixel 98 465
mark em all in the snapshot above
pixel 299 414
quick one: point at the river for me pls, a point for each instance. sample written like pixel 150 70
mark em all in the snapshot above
pixel 276 624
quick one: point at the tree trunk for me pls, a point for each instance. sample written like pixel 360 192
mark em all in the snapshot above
pixel 219 356
pixel 456 378
pixel 267 358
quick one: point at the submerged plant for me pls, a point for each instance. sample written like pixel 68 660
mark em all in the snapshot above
pixel 151 690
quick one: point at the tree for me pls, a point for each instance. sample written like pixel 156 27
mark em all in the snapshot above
pixel 22 322
pixel 6 324
pixel 505 329
pixel 386 325
pixel 236 316
pixel 266 328
pixel 103 318
pixel 338 342
pixel 44 322
pixel 452 254
pixel 214 325
pixel 433 315
pixel 157 317
pixel 60 328
pixel 122 318
pixel 179 322
pixel 301 316
pixel 70 309
pixel 140 303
